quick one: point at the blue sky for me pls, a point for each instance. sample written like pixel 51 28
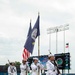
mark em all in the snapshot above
pixel 15 17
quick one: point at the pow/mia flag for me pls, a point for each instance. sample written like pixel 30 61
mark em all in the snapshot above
pixel 29 45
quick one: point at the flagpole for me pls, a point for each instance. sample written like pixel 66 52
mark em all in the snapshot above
pixel 49 42
pixel 39 43
pixel 38 52
pixel 39 38
pixel 56 41
pixel 64 39
pixel 64 44
pixel 68 48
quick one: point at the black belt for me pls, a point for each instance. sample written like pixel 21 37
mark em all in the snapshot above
pixel 53 70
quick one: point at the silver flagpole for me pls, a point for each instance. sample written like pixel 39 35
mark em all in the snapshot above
pixel 39 38
pixel 39 44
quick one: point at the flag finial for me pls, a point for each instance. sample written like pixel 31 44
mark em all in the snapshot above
pixel 30 20
pixel 38 13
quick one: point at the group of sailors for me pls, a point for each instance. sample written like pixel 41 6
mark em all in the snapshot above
pixel 36 66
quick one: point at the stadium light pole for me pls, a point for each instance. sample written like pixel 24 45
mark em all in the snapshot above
pixel 50 31
pixel 56 30
pixel 49 43
pixel 56 41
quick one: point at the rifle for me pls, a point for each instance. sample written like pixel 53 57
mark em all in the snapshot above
pixel 8 61
pixel 57 67
pixel 27 71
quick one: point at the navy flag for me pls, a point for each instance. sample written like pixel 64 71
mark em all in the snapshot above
pixel 29 45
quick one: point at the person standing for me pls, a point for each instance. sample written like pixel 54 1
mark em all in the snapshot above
pixel 51 67
pixel 35 66
pixel 24 67
pixel 12 69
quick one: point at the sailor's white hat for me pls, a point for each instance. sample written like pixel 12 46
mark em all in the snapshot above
pixel 35 58
pixel 50 55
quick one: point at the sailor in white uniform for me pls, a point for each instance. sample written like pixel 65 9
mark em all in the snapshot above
pixel 35 66
pixel 24 67
pixel 12 69
pixel 51 68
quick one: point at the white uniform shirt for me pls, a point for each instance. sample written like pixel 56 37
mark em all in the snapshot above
pixel 24 69
pixel 35 68
pixel 12 70
pixel 51 69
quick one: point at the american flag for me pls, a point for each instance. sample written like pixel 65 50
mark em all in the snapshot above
pixel 26 54
pixel 67 45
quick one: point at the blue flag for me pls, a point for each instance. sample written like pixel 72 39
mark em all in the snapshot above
pixel 36 29
pixel 30 42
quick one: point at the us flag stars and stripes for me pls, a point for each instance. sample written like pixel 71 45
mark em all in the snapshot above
pixel 26 54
